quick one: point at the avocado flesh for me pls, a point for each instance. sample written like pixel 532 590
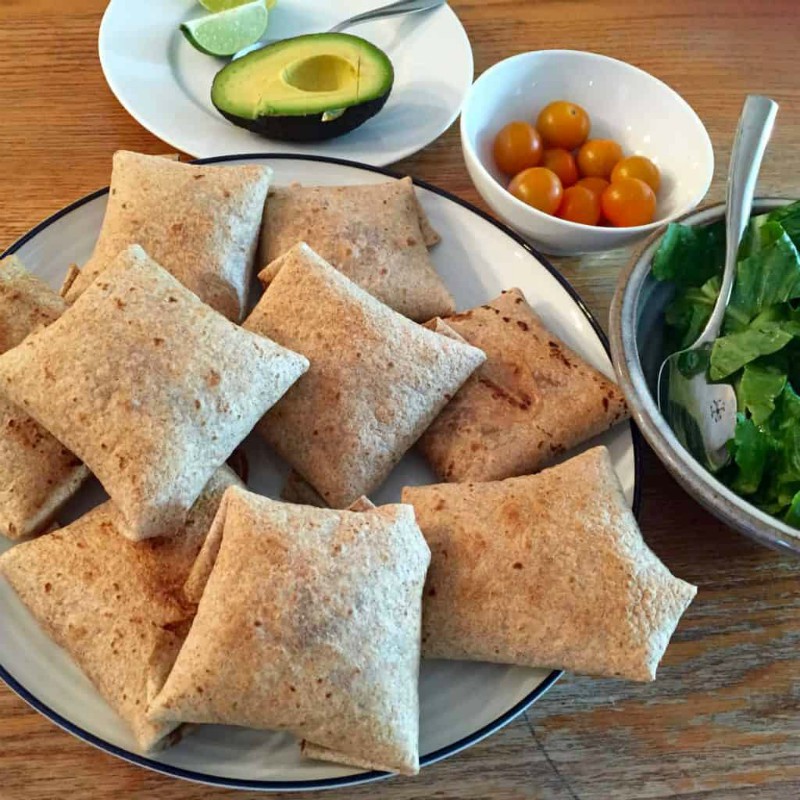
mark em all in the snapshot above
pixel 285 89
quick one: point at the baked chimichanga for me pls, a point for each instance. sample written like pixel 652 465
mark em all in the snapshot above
pixel 149 386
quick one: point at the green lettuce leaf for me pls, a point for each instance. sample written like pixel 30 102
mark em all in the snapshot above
pixel 789 218
pixel 781 482
pixel 792 516
pixel 730 353
pixel 688 313
pixel 690 255
pixel 761 383
pixel 767 277
pixel 750 448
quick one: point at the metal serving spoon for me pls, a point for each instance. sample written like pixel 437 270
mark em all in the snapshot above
pixel 391 10
pixel 703 414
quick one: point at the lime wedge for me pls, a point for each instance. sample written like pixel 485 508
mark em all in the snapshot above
pixel 223 5
pixel 227 32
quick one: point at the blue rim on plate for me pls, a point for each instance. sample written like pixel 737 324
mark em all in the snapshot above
pixel 363 777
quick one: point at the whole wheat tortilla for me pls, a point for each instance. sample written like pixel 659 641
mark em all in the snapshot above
pixel 377 235
pixel 26 303
pixel 297 490
pixel 309 622
pixel 37 473
pixel 151 388
pixel 204 563
pixel 73 270
pixel 201 223
pixel 547 570
pixel 532 400
pixel 116 606
pixel 376 382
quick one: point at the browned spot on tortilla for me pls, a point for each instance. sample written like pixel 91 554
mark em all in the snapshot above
pixel 499 393
pixel 506 319
pixel 605 403
pixel 523 325
pixel 432 592
pixel 157 340
pixel 119 302
pixel 213 378
pixel 517 565
pixel 510 514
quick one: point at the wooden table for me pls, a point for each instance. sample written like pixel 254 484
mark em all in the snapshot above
pixel 723 719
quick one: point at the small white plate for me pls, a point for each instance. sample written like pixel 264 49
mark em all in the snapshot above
pixel 461 703
pixel 165 84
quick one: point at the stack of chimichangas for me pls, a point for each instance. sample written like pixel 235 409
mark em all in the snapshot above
pixel 187 598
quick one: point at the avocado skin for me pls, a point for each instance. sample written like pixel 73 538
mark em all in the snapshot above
pixel 310 127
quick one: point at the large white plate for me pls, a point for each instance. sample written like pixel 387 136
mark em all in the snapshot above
pixel 165 84
pixel 461 702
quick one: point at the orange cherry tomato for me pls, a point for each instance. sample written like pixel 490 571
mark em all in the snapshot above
pixel 596 185
pixel 580 204
pixel 628 202
pixel 637 167
pixel 597 158
pixel 538 187
pixel 518 146
pixel 563 125
pixel 562 163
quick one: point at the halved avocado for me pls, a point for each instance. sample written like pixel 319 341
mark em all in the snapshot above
pixel 305 89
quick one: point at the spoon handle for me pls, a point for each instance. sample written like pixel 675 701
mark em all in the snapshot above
pixel 749 144
pixel 393 9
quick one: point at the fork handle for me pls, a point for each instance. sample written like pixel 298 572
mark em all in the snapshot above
pixel 392 10
pixel 749 144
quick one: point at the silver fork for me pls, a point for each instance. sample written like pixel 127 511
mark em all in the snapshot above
pixel 391 10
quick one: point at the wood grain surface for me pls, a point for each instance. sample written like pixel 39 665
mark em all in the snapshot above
pixel 723 720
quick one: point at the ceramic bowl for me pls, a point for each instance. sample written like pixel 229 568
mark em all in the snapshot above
pixel 637 347
pixel 624 103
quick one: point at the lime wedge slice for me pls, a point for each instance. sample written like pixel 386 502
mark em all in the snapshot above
pixel 227 32
pixel 223 5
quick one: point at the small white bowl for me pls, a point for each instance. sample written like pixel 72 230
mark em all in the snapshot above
pixel 624 103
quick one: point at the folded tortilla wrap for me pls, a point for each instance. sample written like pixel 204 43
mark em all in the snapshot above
pixel 309 622
pixel 37 473
pixel 150 387
pixel 376 382
pixel 26 303
pixel 297 490
pixel 115 606
pixel 532 400
pixel 547 570
pixel 377 235
pixel 201 223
